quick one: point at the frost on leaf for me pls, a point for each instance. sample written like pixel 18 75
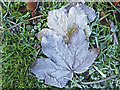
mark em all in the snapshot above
pixel 64 59
pixel 62 21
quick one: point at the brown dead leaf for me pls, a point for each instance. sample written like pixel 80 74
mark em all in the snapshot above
pixel 32 6
pixel 115 3
pixel 103 22
pixel 118 7
pixel 102 14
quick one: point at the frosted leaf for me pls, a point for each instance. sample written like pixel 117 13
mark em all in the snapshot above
pixel 62 20
pixel 65 59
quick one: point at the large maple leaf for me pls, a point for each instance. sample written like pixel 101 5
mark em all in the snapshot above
pixel 64 59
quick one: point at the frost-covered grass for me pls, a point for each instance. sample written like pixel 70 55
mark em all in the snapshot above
pixel 19 52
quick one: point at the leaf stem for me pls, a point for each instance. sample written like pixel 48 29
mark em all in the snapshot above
pixel 87 83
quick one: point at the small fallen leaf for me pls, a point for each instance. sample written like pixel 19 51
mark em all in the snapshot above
pixel 116 2
pixel 117 14
pixel 33 7
pixel 104 21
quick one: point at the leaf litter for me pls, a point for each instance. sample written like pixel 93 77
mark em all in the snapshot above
pixel 65 45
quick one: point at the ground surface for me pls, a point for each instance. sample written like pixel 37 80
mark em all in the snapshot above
pixel 19 52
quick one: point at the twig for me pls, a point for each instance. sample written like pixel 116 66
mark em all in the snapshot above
pixel 87 83
pixel 23 22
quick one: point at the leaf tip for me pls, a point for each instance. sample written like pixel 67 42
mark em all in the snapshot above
pixel 96 50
